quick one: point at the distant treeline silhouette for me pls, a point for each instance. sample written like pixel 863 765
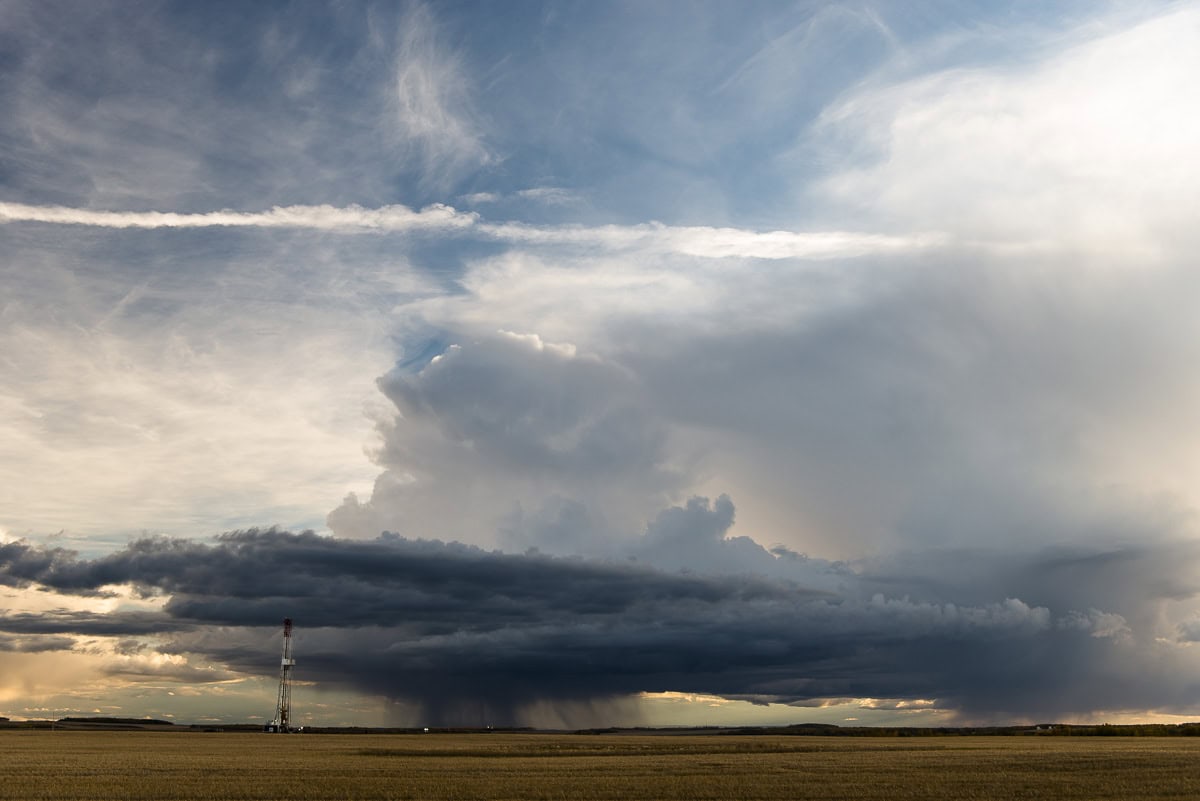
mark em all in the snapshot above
pixel 141 721
pixel 1041 730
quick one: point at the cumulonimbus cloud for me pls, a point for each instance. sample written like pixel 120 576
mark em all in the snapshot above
pixel 698 241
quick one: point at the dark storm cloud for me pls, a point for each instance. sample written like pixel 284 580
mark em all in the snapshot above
pixel 1133 578
pixel 35 644
pixel 104 624
pixel 456 628
pixel 246 576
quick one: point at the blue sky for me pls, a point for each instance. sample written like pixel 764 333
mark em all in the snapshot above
pixel 857 336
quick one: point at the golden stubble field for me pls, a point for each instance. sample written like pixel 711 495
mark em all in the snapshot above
pixel 189 765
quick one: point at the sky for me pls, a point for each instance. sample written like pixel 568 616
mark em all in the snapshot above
pixel 581 364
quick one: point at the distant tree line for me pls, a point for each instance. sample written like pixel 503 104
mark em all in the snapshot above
pixel 1041 730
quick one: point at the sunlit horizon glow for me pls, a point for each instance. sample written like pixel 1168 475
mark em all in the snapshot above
pixel 608 365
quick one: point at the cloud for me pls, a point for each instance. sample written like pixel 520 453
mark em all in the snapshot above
pixel 169 108
pixel 477 198
pixel 1097 623
pixel 937 401
pixel 1086 148
pixel 949 399
pixel 706 242
pixel 432 106
pixel 695 537
pixel 322 218
pixel 550 195
pixel 507 433
pixel 207 379
pixel 546 195
pixel 35 644
pixel 425 621
pixel 699 241
pixel 112 623
pixel 916 368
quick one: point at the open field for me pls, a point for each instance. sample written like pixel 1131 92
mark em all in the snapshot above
pixel 188 765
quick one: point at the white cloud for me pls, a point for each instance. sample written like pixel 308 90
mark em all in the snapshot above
pixel 715 243
pixel 546 195
pixel 699 241
pixel 477 198
pixel 389 219
pixel 432 107
pixel 550 195
pixel 538 344
pixel 510 434
pixel 192 394
pixel 1101 625
pixel 1089 149
pixel 186 432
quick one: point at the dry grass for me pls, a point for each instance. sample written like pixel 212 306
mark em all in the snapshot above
pixel 143 765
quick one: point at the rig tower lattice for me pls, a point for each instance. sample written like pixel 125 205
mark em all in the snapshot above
pixel 283 704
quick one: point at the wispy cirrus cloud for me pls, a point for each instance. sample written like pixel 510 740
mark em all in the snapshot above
pixel 432 109
pixel 545 195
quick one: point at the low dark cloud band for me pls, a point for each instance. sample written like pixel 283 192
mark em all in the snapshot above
pixel 470 634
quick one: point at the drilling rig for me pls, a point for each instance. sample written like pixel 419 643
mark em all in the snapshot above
pixel 283 703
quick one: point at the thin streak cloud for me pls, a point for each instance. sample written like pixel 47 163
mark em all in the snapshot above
pixel 700 241
pixel 708 242
pixel 322 218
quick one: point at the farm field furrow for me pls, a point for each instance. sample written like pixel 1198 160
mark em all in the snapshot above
pixel 73 766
